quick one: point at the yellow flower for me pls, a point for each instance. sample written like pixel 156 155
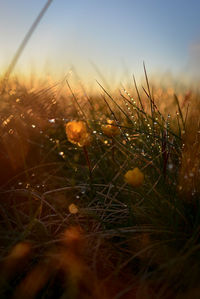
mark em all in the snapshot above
pixel 77 133
pixel 73 236
pixel 111 128
pixel 134 177
pixel 73 208
pixel 20 250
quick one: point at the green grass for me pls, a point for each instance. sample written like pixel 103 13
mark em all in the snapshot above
pixel 138 242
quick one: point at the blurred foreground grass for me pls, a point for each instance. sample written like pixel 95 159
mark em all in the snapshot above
pixel 71 224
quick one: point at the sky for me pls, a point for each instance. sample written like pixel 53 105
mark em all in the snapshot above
pixel 113 36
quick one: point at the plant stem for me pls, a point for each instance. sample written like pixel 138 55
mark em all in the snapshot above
pixel 113 150
pixel 88 162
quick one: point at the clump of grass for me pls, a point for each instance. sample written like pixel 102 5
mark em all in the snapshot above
pixel 142 231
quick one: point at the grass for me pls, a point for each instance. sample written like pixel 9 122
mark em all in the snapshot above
pixel 124 241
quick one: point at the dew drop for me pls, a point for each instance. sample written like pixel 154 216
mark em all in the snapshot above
pixel 52 120
pixel 11 131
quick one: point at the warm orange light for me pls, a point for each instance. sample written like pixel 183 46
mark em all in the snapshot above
pixel 73 209
pixel 134 177
pixel 111 129
pixel 77 133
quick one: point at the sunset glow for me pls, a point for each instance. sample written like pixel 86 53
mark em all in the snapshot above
pixel 108 37
pixel 100 149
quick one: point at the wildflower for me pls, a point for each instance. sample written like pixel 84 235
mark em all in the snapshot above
pixel 71 258
pixel 77 133
pixel 16 259
pixel 72 234
pixel 111 129
pixel 134 177
pixel 73 209
pixel 20 250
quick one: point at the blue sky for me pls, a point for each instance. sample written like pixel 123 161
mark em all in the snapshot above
pixel 116 35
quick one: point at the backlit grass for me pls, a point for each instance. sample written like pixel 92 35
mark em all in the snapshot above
pixel 99 193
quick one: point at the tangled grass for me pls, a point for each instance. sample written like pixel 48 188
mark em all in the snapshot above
pixel 71 224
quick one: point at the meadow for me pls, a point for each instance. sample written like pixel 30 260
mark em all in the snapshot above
pixel 99 193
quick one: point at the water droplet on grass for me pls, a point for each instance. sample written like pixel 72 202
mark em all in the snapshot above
pixel 170 166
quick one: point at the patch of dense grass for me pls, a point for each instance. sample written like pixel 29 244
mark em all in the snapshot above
pixel 116 240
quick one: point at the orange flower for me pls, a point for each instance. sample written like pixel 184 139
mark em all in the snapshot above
pixel 134 177
pixel 77 133
pixel 73 208
pixel 111 129
pixel 20 250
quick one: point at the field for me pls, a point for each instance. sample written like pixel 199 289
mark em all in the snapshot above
pixel 99 193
